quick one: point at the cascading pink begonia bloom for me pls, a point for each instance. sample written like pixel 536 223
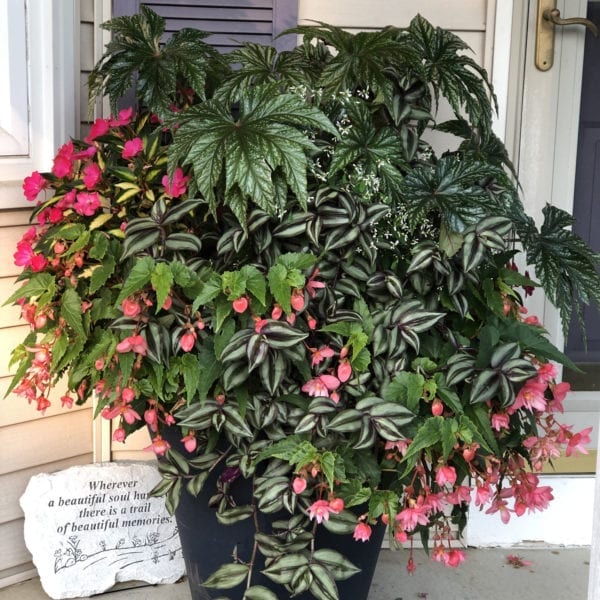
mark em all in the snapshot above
pixel 362 532
pixel 578 441
pixel 133 343
pixel 445 474
pixel 319 510
pixel 530 396
pixel 323 385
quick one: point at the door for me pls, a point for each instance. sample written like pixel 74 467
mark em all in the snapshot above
pixel 543 130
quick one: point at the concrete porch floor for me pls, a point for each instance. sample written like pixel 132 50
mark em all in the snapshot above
pixel 556 574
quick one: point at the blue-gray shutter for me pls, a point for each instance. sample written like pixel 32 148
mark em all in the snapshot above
pixel 230 22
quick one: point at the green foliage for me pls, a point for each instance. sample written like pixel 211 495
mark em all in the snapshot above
pixel 284 267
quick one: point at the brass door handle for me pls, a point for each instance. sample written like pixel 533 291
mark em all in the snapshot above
pixel 548 18
pixel 554 16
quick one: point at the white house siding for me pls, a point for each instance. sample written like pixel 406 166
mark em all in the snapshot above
pixel 31 443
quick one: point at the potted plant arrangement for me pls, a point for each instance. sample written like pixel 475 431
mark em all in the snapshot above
pixel 317 318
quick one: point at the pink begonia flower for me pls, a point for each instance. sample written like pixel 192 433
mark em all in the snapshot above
pixel 188 340
pixel 320 354
pixel 577 442
pixel 276 312
pixel 547 372
pixel 63 161
pixel 132 148
pixel 130 415
pixel 128 395
pixel 559 393
pixel 344 370
pixel 99 128
pixel 177 186
pixel 66 401
pixel 133 343
pixel 413 515
pixel 400 446
pixel 87 203
pixel 530 396
pixel 454 557
pixel 362 532
pixel 321 385
pixel 259 324
pixel 92 174
pixel 319 510
pixel 299 485
pixel 124 118
pixel 131 308
pixel 158 446
pixel 482 494
pixel 533 320
pixel 500 421
pixel 499 505
pixel 118 435
pixel 151 418
pixel 460 495
pixel 189 442
pixel 240 305
pixel 297 300
pixel 445 474
pixel 336 506
pixel 33 185
pixel 312 286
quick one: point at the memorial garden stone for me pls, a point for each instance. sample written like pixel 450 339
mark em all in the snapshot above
pixel 91 526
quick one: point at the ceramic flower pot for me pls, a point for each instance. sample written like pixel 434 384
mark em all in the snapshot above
pixel 207 544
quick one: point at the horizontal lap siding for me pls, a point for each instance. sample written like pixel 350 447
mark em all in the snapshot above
pixel 33 443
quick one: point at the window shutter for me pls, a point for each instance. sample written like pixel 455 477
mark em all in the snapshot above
pixel 230 22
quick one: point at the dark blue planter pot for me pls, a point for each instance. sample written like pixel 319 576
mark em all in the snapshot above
pixel 207 544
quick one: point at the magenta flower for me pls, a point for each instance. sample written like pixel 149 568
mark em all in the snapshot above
pixel 99 128
pixel 92 174
pixel 132 148
pixel 189 442
pixel 177 185
pixel 89 152
pixel 312 286
pixel 33 185
pixel 63 161
pixel 87 203
pixel 454 557
pixel 124 118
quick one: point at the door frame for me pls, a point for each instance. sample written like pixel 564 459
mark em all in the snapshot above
pixel 541 136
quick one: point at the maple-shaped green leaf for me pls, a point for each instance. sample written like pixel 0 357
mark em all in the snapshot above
pixel 565 265
pixel 256 64
pixel 360 60
pixel 136 55
pixel 239 152
pixel 451 188
pixel 450 72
